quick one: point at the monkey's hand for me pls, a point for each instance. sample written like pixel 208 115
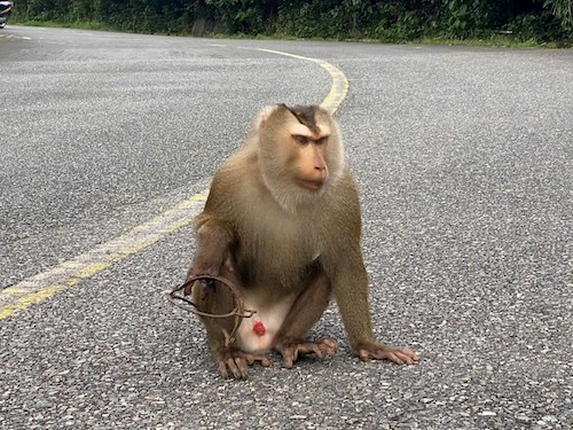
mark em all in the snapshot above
pixel 210 267
pixel 291 348
pixel 379 351
pixel 235 363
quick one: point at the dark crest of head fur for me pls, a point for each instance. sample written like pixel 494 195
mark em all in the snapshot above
pixel 306 115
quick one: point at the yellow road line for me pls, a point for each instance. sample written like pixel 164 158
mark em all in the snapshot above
pixel 45 285
pixel 339 87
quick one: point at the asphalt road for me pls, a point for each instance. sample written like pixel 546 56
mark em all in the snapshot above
pixel 465 161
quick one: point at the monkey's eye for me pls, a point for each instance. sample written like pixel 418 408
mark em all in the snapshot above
pixel 301 140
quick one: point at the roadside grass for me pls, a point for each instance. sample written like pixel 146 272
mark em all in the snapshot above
pixel 493 40
pixel 81 25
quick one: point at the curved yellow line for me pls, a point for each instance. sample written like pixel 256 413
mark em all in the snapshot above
pixel 339 87
pixel 45 285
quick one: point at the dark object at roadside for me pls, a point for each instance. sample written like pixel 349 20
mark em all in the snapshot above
pixel 5 11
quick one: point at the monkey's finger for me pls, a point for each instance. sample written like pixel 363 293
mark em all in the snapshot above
pixel 412 355
pixel 189 288
pixel 399 355
pixel 407 356
pixel 392 357
pixel 363 355
pixel 295 353
pixel 329 346
pixel 228 263
pixel 396 355
pixel 242 366
pixel 385 353
pixel 233 368
pixel 265 362
pixel 317 351
pixel 223 369
pixel 288 360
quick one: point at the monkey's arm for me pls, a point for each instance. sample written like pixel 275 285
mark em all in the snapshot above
pixel 214 233
pixel 214 238
pixel 345 267
pixel 350 287
pixel 212 257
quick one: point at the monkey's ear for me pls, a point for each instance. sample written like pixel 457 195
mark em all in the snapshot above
pixel 263 115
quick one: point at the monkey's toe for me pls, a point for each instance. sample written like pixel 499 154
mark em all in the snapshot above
pixel 235 363
pixel 378 351
pixel 290 349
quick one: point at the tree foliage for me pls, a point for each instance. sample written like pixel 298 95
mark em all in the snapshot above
pixel 391 20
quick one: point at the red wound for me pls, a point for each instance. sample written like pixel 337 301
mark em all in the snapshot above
pixel 259 328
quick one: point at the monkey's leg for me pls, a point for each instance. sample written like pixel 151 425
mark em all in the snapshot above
pixel 215 298
pixel 303 315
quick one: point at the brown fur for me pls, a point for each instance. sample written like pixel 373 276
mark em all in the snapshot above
pixel 283 243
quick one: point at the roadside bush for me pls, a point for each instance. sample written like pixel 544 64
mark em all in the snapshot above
pixel 391 20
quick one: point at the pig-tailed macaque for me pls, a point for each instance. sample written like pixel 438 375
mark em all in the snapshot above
pixel 282 222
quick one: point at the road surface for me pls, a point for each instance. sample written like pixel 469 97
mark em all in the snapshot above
pixel 465 161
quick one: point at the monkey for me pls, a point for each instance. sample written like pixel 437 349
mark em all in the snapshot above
pixel 282 220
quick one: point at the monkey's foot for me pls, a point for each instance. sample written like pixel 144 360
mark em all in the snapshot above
pixel 379 351
pixel 235 363
pixel 291 348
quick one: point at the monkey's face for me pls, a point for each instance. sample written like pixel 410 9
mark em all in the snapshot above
pixel 308 156
pixel 297 147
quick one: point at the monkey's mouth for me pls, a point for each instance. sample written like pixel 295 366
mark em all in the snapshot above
pixel 312 185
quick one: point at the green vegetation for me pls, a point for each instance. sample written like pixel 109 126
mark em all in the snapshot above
pixel 515 22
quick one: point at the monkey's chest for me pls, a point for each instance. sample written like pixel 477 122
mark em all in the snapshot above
pixel 277 253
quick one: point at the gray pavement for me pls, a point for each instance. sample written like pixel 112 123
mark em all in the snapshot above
pixel 465 161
